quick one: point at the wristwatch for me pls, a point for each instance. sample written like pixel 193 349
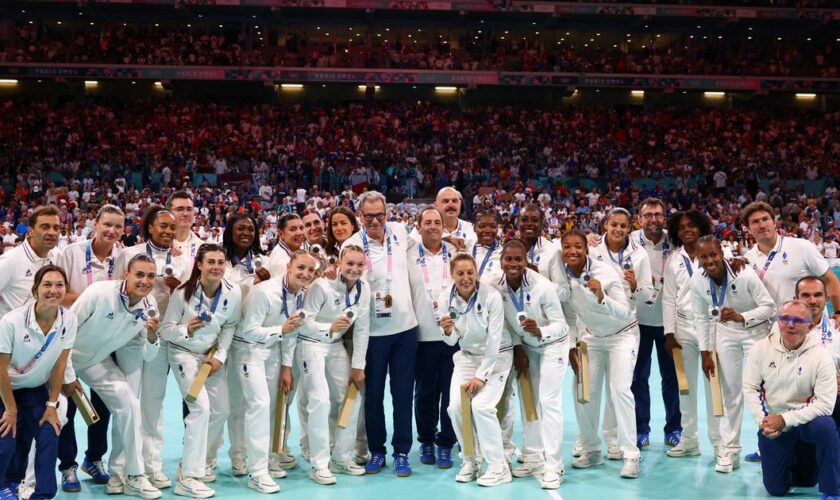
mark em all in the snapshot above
pixel 52 404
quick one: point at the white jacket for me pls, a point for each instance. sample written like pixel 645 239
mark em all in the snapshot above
pixel 677 312
pixel 181 266
pixel 263 317
pixel 637 257
pixel 219 330
pixel 612 316
pixel 479 332
pixel 799 385
pixel 744 292
pixel 325 301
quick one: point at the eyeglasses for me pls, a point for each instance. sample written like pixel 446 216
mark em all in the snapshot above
pixel 182 210
pixel 655 215
pixel 369 217
pixel 794 320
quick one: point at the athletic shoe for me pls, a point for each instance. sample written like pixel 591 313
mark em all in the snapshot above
pixel 427 454
pixel 275 468
pixel 401 467
pixel 577 450
pixel 468 472
pixel 588 459
pixel 685 448
pixel 642 440
pixel 96 470
pixel 444 458
pixel 349 467
pixel 527 469
pixel 209 473
pixel 724 462
pixel 631 468
pixel 238 467
pixel 70 480
pixel 361 459
pixel 263 484
pixel 376 463
pixel 277 473
pixel 551 480
pixel 25 490
pixel 494 476
pixel 193 487
pixel 286 461
pixel 673 438
pixel 159 480
pixel 140 486
pixel 8 494
pixel 322 476
pixel 753 457
pixel 115 485
pixel 826 496
pixel 614 452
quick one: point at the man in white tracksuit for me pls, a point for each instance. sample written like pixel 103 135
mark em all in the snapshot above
pixel 111 315
pixel 732 312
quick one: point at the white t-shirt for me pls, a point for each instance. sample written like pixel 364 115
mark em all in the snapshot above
pixel 830 249
pixel 793 258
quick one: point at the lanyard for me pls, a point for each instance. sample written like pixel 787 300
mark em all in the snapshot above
pixel 665 249
pixel 770 258
pixel 532 251
pixel 366 248
pixel 347 294
pixel 621 261
pixel 89 259
pixel 245 262
pixel 490 250
pixel 138 313
pixel 298 299
pixel 470 304
pixel 586 274
pixel 518 302
pixel 427 281
pixel 28 366
pixel 718 302
pixel 215 302
pixel 688 266
pixel 824 335
pixel 149 247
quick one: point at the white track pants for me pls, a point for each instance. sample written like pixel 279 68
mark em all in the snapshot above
pixel 152 394
pixel 733 347
pixel 688 402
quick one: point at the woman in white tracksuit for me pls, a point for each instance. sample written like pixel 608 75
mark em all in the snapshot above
pixel 535 319
pixel 245 267
pixel 158 229
pixel 611 333
pixel 202 314
pixel 732 312
pixel 325 368
pixel 632 263
pixel 271 313
pixel 126 310
pixel 684 229
pixel 476 323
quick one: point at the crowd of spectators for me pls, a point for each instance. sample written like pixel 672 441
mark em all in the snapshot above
pixel 478 50
pixel 270 158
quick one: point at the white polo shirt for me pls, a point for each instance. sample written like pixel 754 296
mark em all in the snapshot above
pixel 84 268
pixel 651 314
pixel 17 275
pixel 635 256
pixel 189 246
pixel 428 276
pixel 21 337
pixel 180 264
pixel 464 230
pixel 793 258
pixel 400 316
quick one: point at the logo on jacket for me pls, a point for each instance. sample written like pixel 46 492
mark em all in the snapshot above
pixel 772 364
pixel 26 338
pixel 245 371
pixel 110 315
pixel 28 273
pixel 799 370
pixel 784 258
pixel 181 371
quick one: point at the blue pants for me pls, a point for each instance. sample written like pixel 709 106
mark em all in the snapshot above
pixel 651 335
pixel 432 375
pixel 802 456
pixel 97 435
pixel 393 356
pixel 30 405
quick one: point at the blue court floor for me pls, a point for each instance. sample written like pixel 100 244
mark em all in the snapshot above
pixel 662 477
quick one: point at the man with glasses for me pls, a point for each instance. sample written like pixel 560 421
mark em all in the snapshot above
pixel 790 387
pixel 393 331
pixel 186 241
pixel 654 239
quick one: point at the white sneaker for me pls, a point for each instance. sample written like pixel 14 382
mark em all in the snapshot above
pixel 588 459
pixel 139 486
pixel 322 476
pixel 723 462
pixel 238 467
pixel 685 448
pixel 495 475
pixel 192 487
pixel 159 480
pixel 209 473
pixel 361 459
pixel 527 469
pixel 631 468
pixel 551 480
pixel 114 487
pixel 577 450
pixel 263 484
pixel 614 452
pixel 349 467
pixel 286 461
pixel 25 490
pixel 468 472
pixel 277 473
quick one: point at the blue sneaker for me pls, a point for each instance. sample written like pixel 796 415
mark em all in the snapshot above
pixel 642 440
pixel 444 458
pixel 376 463
pixel 427 454
pixel 753 457
pixel 70 481
pixel 401 467
pixel 96 470
pixel 673 438
pixel 8 494
pixel 826 496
